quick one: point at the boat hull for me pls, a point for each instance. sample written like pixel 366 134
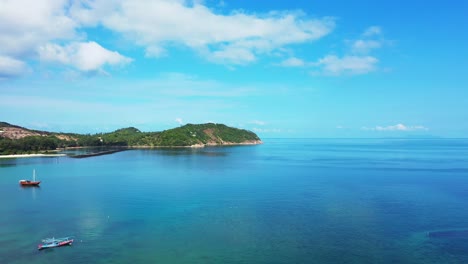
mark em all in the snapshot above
pixel 29 183
pixel 55 244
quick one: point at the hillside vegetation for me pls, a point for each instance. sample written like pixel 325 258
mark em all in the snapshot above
pixel 17 140
pixel 205 134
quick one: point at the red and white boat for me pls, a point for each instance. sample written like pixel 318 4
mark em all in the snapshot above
pixel 29 182
pixel 55 242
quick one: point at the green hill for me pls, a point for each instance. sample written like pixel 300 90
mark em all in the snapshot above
pixel 16 139
pixel 206 134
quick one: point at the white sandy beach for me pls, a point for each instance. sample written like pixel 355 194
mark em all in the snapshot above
pixel 30 155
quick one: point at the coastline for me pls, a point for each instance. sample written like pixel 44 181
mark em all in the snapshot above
pixel 201 145
pixel 253 142
pixel 30 155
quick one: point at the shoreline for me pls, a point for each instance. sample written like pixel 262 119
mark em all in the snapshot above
pixel 201 145
pixel 257 142
pixel 30 155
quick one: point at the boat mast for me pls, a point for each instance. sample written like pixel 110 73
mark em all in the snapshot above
pixel 34 175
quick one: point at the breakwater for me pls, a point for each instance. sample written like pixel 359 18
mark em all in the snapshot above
pixel 93 154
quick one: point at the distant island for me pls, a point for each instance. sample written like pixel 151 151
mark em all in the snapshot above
pixel 19 140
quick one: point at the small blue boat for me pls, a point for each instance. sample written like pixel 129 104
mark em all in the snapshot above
pixel 55 242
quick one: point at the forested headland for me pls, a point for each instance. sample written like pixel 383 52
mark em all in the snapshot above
pixel 20 140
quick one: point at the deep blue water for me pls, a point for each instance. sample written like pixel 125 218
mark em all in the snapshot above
pixel 286 201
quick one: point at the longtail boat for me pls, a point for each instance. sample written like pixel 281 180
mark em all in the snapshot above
pixel 30 183
pixel 55 242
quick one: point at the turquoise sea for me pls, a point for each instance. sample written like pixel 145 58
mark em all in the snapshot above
pixel 286 201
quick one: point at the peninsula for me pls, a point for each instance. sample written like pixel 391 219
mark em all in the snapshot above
pixel 19 140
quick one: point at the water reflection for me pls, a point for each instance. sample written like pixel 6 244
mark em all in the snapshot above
pixel 34 189
pixel 191 151
pixel 12 162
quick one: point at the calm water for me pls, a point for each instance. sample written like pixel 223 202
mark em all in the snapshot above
pixel 286 201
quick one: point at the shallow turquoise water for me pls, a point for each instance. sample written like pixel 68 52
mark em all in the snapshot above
pixel 286 201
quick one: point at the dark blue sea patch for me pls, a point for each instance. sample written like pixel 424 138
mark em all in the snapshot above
pixel 449 234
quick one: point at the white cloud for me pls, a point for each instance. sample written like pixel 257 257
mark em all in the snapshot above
pixel 292 62
pixel 155 51
pixel 31 29
pixel 266 130
pixel 179 121
pixel 89 12
pixel 258 122
pixel 10 67
pixel 365 46
pixel 232 55
pixel 371 39
pixel 372 31
pixel 235 38
pixel 397 127
pixel 85 56
pixel 333 65
pixel 50 29
pixel 26 24
pixel 356 61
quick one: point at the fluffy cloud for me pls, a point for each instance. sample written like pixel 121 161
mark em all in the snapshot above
pixel 179 121
pixel 267 130
pixel 397 127
pixel 258 122
pixel 30 29
pixel 232 55
pixel 372 31
pixel 358 59
pixel 52 30
pixel 84 56
pixel 365 46
pixel 292 62
pixel 355 61
pixel 25 24
pixel 371 39
pixel 235 38
pixel 10 67
pixel 334 65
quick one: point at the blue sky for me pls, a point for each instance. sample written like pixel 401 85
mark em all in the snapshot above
pixel 278 68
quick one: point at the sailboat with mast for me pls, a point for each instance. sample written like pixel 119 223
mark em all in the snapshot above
pixel 29 182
